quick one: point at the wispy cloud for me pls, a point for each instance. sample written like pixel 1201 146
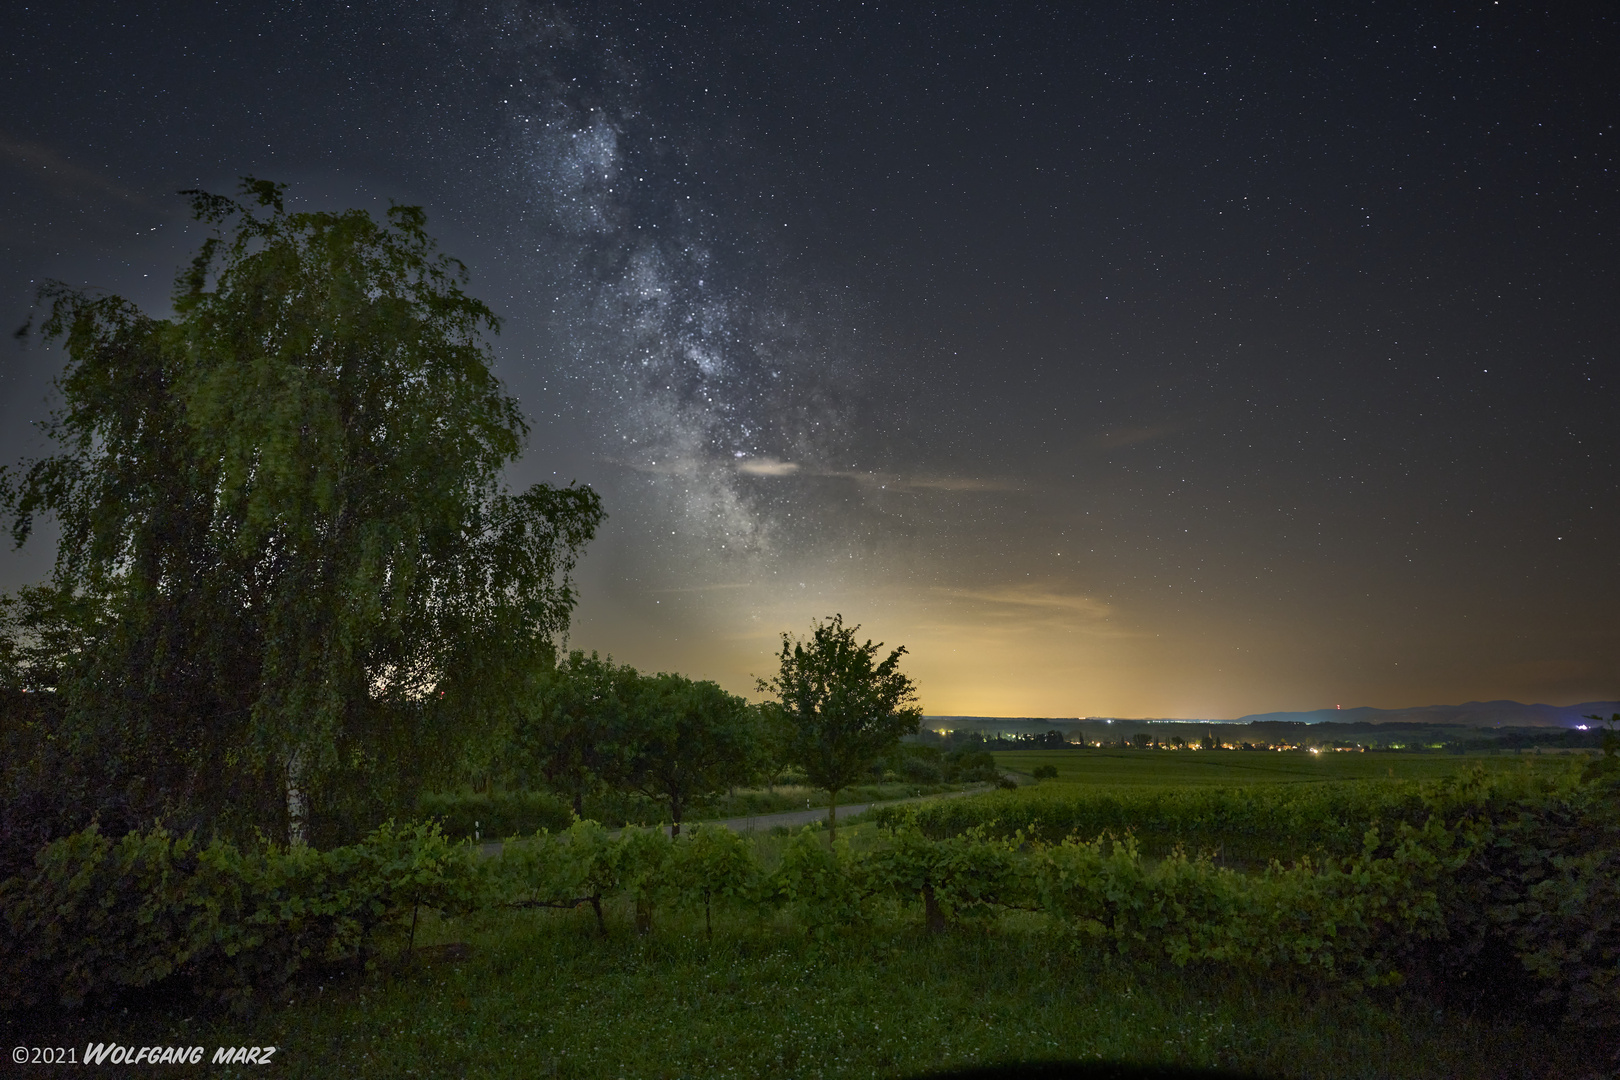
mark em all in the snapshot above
pixel 766 466
pixel 1032 596
pixel 677 465
pixel 61 175
pixel 1016 611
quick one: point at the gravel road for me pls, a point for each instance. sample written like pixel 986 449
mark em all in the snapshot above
pixel 790 818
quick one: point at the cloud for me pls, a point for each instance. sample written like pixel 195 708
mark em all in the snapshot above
pixel 1015 612
pixel 57 172
pixel 1032 596
pixel 766 466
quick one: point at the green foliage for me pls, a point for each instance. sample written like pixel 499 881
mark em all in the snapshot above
pixel 1544 881
pixel 1044 772
pixel 574 734
pixel 289 576
pixel 840 708
pixel 1252 824
pixel 691 739
pixel 493 816
pixel 1608 765
pixel 98 916
pixel 1523 867
pixel 958 878
pixel 822 885
pixel 712 863
pixel 971 764
pixel 515 995
pixel 919 764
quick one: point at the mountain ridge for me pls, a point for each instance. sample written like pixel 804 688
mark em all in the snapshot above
pixel 1475 714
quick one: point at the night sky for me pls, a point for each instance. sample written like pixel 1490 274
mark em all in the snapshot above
pixel 1118 359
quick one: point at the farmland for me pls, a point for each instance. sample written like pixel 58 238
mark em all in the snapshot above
pixel 827 963
pixel 1236 767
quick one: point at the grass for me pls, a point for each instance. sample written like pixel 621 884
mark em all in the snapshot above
pixel 540 995
pixel 1241 767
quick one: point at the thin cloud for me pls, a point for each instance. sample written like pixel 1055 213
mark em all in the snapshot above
pixel 958 483
pixel 1030 596
pixel 774 467
pixel 45 164
pixel 766 466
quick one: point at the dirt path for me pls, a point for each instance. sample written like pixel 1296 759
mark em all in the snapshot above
pixel 790 818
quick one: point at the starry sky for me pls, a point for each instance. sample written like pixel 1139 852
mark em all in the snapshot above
pixel 1175 359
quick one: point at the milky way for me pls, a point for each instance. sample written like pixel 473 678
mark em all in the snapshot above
pixel 714 370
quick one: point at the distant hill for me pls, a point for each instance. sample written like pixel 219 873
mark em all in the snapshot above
pixel 1481 714
pixel 1474 714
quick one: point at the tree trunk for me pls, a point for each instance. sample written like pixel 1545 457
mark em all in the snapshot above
pixel 675 809
pixel 832 817
pixel 644 913
pixel 933 917
pixel 297 803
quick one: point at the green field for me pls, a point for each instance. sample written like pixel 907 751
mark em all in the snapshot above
pixel 507 992
pixel 1231 767
pixel 539 994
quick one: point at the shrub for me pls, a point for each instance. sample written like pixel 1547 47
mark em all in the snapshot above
pixel 98 916
pixel 1254 824
pixel 1522 868
pixel 1541 886
pixel 711 863
pixel 922 770
pixel 821 884
pixel 957 879
pixel 494 816
pixel 970 764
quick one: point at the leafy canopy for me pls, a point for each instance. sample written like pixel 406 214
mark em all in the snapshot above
pixel 841 707
pixel 574 732
pixel 693 739
pixel 285 544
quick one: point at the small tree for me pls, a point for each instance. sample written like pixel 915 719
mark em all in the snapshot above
pixel 841 708
pixel 691 739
